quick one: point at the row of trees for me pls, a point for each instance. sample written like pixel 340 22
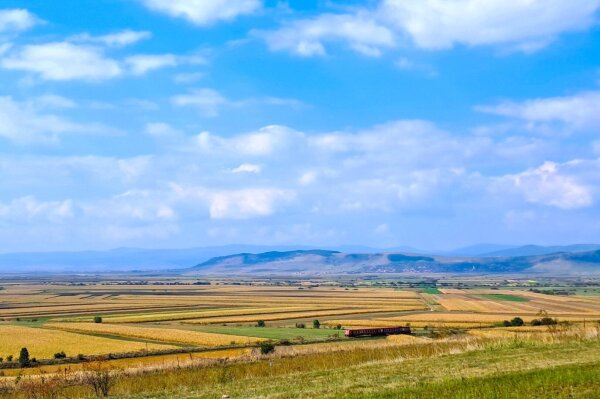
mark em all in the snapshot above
pixel 316 324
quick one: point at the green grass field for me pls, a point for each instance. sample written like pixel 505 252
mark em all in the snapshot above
pixel 275 333
pixel 430 290
pixel 504 297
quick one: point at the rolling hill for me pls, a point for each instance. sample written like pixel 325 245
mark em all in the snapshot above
pixel 320 262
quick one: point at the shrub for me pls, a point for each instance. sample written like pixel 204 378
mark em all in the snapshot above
pixel 99 378
pixel 316 324
pixel 24 358
pixel 266 347
pixel 339 327
pixel 548 321
pixel 60 355
pixel 536 322
pixel 506 323
pixel 300 325
pixel 97 319
pixel 517 322
pixel 261 323
pixel 9 358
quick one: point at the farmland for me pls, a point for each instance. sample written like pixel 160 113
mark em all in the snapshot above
pixel 157 325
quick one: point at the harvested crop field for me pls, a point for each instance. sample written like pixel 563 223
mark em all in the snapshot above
pixel 43 343
pixel 173 336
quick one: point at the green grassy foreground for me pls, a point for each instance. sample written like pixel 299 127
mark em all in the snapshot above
pixel 510 369
pixel 454 368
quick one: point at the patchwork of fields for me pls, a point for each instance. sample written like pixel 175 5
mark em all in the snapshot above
pixel 51 317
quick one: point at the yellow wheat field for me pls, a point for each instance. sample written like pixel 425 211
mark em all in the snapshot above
pixel 43 344
pixel 183 337
pixel 396 323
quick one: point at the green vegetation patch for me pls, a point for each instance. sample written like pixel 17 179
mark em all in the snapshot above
pixel 505 297
pixel 274 332
pixel 430 290
pixel 578 381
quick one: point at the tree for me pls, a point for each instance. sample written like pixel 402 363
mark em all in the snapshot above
pixel 517 322
pixel 300 325
pixel 24 358
pixel 266 347
pixel 339 327
pixel 506 323
pixel 316 324
pixel 60 355
pixel 261 323
pixel 97 319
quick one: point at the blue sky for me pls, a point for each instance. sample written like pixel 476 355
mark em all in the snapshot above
pixel 176 123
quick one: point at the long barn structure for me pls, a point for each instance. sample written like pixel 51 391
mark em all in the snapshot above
pixel 373 332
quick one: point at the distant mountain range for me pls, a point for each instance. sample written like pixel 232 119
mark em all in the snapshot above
pixel 298 259
pixel 320 262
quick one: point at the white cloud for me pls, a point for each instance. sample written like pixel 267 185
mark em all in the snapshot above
pixel 119 39
pixel 247 168
pixel 579 111
pixel 160 129
pixel 524 24
pixel 141 64
pixel 24 123
pixel 30 208
pixel 207 100
pixel 550 185
pixel 267 141
pixel 307 37
pixel 63 61
pixel 15 20
pixel 246 203
pixel 204 12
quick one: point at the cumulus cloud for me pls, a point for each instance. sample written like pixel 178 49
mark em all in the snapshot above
pixel 16 20
pixel 263 183
pixel 526 24
pixel 63 61
pixel 204 12
pixel 247 203
pixel 307 37
pixel 26 123
pixel 520 25
pixel 551 184
pixel 579 111
pixel 267 141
